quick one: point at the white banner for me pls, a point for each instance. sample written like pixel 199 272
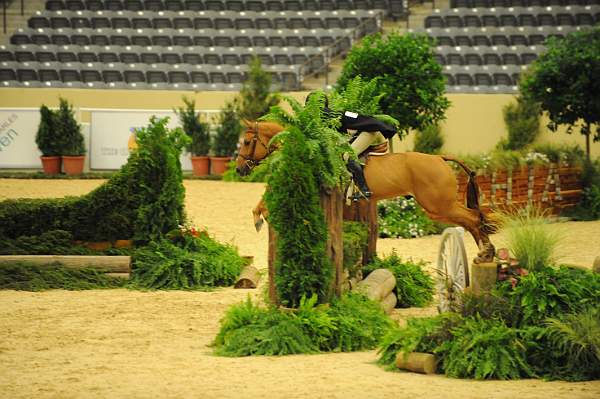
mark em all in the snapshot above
pixel 17 138
pixel 111 132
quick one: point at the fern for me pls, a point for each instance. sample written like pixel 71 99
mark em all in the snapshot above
pixel 484 349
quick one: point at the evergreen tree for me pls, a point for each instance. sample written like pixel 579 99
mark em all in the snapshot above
pixel 72 141
pixel 228 131
pixel 198 131
pixel 255 96
pixel 48 137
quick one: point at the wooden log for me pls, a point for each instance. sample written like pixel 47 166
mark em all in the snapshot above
pixel 109 264
pixel 484 277
pixel 389 302
pixel 249 278
pixel 417 361
pixel 378 284
pixel 123 244
pixel 332 203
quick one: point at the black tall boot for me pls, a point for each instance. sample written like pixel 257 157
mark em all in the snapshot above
pixel 359 178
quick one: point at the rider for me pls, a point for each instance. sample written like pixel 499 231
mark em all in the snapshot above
pixel 364 131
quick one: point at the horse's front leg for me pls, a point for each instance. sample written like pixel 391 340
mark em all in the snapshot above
pixel 260 213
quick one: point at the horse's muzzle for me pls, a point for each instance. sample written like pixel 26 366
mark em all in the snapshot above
pixel 243 170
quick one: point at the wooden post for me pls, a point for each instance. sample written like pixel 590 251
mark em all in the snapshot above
pixel 332 203
pixel 484 277
pixel 365 212
pixel 271 262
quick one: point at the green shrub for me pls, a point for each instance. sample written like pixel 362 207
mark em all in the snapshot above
pixel 53 242
pixel 360 323
pixel 71 140
pixel 143 201
pixel 429 140
pixel 48 137
pixel 522 121
pixel 258 174
pixel 411 81
pixel 355 236
pixel 489 306
pixel 185 262
pixel 404 218
pixel 577 338
pixel 352 322
pixel 198 132
pixel 23 276
pixel 255 98
pixel 530 239
pixel 550 292
pixel 414 286
pixel 424 334
pixel 228 132
pixel 484 349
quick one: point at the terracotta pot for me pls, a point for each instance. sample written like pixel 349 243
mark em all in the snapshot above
pixel 73 165
pixel 219 165
pixel 200 165
pixel 51 165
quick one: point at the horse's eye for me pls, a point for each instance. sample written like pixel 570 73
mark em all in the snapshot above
pixel 246 142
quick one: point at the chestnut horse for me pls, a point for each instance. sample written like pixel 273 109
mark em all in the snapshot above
pixel 428 178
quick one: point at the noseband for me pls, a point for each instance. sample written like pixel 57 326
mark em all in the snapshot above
pixel 250 160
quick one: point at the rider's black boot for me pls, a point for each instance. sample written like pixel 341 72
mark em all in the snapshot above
pixel 359 178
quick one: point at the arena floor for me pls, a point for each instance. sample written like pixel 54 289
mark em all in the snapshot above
pixel 121 343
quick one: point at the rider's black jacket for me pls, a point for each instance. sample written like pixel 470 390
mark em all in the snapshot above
pixel 362 123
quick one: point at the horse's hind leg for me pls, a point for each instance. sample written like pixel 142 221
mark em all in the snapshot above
pixel 470 219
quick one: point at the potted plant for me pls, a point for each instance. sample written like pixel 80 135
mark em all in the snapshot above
pixel 199 133
pixel 226 138
pixel 72 141
pixel 47 140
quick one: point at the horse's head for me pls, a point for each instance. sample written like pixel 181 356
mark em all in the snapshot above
pixel 254 145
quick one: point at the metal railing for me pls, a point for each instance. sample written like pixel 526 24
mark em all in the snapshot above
pixel 5 4
pixel 331 52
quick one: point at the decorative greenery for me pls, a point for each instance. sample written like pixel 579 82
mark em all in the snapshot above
pixel 576 337
pixel 255 98
pixel 403 217
pixel 188 260
pixel 258 174
pixel 429 139
pixel 414 286
pixel 423 334
pixel 228 132
pixel 309 159
pixel 355 236
pixel 551 292
pixel 484 349
pixel 143 201
pixel 199 132
pixel 522 121
pixel 24 276
pixel 71 139
pixel 563 80
pixel 48 137
pixel 411 81
pixel 529 238
pixel 351 323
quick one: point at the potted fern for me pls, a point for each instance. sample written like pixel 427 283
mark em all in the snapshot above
pixel 72 141
pixel 47 140
pixel 226 139
pixel 199 133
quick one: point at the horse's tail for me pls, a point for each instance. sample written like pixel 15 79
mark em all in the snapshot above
pixel 473 195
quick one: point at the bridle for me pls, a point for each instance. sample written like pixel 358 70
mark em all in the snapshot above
pixel 250 161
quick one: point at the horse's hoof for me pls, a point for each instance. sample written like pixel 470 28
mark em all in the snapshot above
pixel 258 225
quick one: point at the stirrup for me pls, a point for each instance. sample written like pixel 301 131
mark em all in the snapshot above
pixel 358 195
